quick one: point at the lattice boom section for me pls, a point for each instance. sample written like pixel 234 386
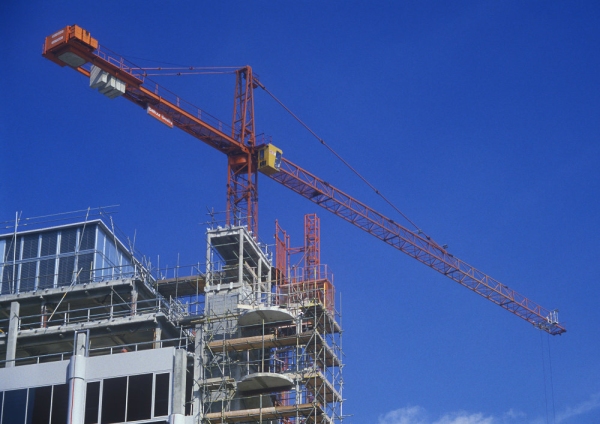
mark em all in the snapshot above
pixel 415 245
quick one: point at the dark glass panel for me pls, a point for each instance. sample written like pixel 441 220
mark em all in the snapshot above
pixel 188 395
pixel 68 240
pixel 8 281
pixel 92 402
pixel 161 395
pixel 60 403
pixel 65 270
pixel 28 270
pixel 9 250
pixel 139 397
pixel 114 392
pixel 88 237
pixel 39 405
pixel 15 403
pixel 49 244
pixel 46 277
pixel 30 246
pixel 85 265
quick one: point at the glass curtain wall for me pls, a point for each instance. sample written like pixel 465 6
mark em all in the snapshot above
pixel 62 256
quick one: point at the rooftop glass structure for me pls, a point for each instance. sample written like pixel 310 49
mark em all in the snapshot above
pixel 61 256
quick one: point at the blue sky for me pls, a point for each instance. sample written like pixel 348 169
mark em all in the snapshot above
pixel 478 119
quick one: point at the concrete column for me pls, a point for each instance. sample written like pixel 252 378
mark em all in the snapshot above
pixel 260 283
pixel 157 337
pixel 76 380
pixel 199 362
pixel 134 299
pixel 269 286
pixel 44 315
pixel 13 329
pixel 209 265
pixel 241 257
pixel 179 374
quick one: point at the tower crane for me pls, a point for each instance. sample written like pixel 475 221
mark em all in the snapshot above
pixel 114 76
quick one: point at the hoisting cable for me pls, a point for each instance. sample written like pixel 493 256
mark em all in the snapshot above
pixel 549 371
pixel 190 70
pixel 551 379
pixel 344 162
pixel 174 69
pixel 544 372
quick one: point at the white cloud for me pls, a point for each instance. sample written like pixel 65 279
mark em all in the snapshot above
pixel 418 415
pixel 583 408
pixel 408 415
pixel 514 415
pixel 465 418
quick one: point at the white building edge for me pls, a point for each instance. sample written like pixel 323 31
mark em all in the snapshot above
pixel 89 335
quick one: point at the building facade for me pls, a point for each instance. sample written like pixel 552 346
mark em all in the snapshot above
pixel 90 334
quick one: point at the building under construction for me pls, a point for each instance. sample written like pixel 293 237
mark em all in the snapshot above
pixel 92 333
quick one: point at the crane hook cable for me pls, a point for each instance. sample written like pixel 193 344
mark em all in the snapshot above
pixel 343 161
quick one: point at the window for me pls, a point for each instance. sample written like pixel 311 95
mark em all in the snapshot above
pixel 139 397
pixel 60 403
pixel 68 240
pixel 123 399
pixel 92 402
pixel 85 265
pixel 8 279
pixel 114 394
pixel 48 244
pixel 65 270
pixel 38 408
pixel 30 246
pixel 10 250
pixel 161 395
pixel 46 277
pixel 188 396
pixel 49 259
pixel 15 404
pixel 88 237
pixel 28 270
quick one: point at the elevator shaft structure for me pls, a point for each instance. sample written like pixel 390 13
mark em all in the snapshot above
pixel 268 353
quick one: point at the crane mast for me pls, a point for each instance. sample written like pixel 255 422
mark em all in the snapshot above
pixel 114 76
pixel 242 181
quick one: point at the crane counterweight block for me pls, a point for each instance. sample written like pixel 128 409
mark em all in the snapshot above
pixel 69 46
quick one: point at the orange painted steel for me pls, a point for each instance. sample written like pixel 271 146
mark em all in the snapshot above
pixel 242 153
pixel 242 188
pixel 313 281
pixel 282 247
pixel 312 243
pixel 242 176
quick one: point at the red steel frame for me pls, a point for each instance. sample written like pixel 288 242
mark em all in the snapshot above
pixel 314 281
pixel 312 243
pixel 242 181
pixel 242 193
pixel 282 247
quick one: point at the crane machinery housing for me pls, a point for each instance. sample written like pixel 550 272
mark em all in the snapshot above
pixel 265 348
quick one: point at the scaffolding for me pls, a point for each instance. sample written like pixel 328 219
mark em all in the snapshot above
pixel 254 340
pixel 269 346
